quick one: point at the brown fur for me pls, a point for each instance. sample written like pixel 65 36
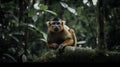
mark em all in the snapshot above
pixel 64 37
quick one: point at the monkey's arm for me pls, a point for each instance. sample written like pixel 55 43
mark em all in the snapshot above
pixel 68 42
pixel 71 40
pixel 74 37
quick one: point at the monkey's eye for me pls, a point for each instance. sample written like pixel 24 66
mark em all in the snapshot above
pixel 58 23
pixel 53 23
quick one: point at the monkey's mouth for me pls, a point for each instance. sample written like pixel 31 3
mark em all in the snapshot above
pixel 56 29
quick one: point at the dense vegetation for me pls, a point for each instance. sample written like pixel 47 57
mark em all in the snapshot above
pixel 23 25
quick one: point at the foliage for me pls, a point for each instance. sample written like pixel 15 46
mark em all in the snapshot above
pixel 23 31
pixel 19 33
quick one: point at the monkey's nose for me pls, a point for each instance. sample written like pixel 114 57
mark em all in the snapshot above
pixel 56 29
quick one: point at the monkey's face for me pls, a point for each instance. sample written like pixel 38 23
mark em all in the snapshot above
pixel 55 26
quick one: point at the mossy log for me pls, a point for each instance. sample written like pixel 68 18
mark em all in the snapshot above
pixel 80 54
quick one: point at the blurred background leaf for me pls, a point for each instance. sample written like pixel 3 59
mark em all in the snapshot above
pixel 23 29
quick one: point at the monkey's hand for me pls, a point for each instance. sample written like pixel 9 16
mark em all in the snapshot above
pixel 60 49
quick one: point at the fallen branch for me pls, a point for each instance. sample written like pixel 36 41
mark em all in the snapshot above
pixel 80 54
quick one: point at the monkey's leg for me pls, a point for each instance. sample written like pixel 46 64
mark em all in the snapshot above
pixel 53 45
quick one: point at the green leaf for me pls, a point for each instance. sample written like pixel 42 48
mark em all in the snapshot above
pixel 31 25
pixel 10 57
pixel 43 40
pixel 36 6
pixel 24 58
pixel 44 36
pixel 35 18
pixel 31 13
pixel 49 11
pixel 81 42
pixel 94 2
pixel 15 38
pixel 43 7
pixel 72 10
pixel 12 51
pixel 69 8
pixel 64 4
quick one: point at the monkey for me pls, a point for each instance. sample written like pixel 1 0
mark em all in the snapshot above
pixel 59 34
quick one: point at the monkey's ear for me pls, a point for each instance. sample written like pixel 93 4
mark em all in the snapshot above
pixel 63 22
pixel 48 23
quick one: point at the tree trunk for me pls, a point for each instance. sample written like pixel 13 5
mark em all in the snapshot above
pixel 101 44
